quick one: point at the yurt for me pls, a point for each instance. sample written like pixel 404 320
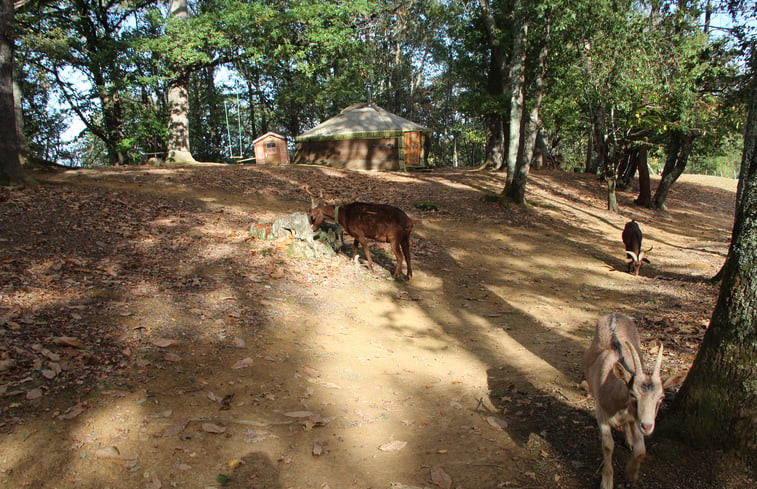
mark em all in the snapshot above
pixel 365 137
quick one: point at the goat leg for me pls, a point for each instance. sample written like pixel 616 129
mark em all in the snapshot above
pixel 364 243
pixel 398 257
pixel 638 452
pixel 406 251
pixel 607 447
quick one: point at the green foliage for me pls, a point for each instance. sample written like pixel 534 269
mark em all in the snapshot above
pixel 293 64
pixel 723 160
pixel 426 206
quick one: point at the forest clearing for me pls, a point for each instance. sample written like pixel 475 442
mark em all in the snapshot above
pixel 148 340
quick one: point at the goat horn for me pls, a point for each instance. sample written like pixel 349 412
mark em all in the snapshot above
pixel 650 249
pixel 637 365
pixel 313 203
pixel 658 362
pixel 633 255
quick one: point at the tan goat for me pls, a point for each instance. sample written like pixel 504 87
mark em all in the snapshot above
pixel 626 396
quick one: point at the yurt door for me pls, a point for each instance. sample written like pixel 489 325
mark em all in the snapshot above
pixel 412 148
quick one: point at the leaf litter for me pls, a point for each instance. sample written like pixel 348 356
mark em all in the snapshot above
pixel 102 329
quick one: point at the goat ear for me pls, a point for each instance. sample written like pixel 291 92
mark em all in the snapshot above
pixel 646 260
pixel 620 372
pixel 673 380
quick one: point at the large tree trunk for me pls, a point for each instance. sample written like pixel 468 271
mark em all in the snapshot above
pixel 178 103
pixel 600 146
pixel 23 145
pixel 645 188
pixel 495 143
pixel 516 78
pixel 592 162
pixel 678 153
pixel 717 404
pixel 612 200
pixel 10 165
pixel 517 188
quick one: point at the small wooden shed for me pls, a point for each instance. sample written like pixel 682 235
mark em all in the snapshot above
pixel 271 149
pixel 364 137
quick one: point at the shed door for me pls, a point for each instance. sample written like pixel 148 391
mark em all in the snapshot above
pixel 413 148
pixel 272 156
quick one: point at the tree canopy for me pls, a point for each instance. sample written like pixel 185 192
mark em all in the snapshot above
pixel 595 79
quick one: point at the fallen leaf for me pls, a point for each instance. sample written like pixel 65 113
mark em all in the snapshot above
pixel 34 394
pixel 300 414
pixel 164 342
pixel 213 428
pixel 53 357
pixel 72 412
pixel 498 423
pixel 238 343
pixel 243 363
pixel 69 341
pixel 175 428
pixel 113 453
pixel 226 402
pixel 154 483
pixel 318 449
pixel 440 478
pixel 48 374
pixel 108 453
pixel 392 446
pixel 7 364
pixel 173 357
pixel 315 420
pixel 311 372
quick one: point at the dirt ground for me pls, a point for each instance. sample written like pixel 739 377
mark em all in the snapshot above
pixel 147 340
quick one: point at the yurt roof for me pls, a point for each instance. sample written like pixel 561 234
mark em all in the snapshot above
pixel 361 121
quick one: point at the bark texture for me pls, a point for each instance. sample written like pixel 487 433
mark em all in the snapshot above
pixel 515 92
pixel 517 188
pixel 10 165
pixel 178 103
pixel 717 404
pixel 645 187
pixel 678 151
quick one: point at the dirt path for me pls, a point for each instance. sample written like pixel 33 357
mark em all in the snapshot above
pixel 209 358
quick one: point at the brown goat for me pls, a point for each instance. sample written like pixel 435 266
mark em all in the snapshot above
pixel 627 394
pixel 632 241
pixel 365 221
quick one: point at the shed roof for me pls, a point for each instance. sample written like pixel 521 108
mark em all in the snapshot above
pixel 269 134
pixel 361 121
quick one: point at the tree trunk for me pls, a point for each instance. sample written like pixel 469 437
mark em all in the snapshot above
pixel 23 145
pixel 540 151
pixel 628 168
pixel 717 404
pixel 517 192
pixel 645 188
pixel 10 164
pixel 678 151
pixel 495 142
pixel 178 103
pixel 600 147
pixel 495 145
pixel 612 201
pixel 516 78
pixel 591 165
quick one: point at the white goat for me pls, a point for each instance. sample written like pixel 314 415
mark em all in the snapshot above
pixel 626 395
